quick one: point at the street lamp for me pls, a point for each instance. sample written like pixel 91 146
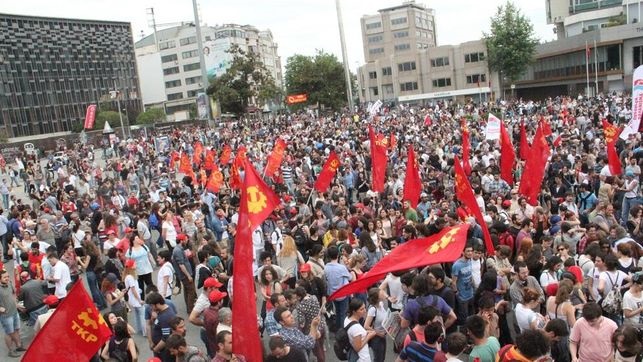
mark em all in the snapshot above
pixel 115 94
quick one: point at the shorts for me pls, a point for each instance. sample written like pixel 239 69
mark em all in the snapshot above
pixel 10 324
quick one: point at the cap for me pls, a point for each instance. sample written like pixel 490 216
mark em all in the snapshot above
pixel 551 289
pixel 629 173
pixel 554 229
pixel 154 359
pixel 110 232
pixel 212 282
pixel 50 300
pixel 216 295
pixel 554 219
pixel 130 263
pixel 506 204
pixel 181 237
pixel 304 268
pixel 577 272
pixel 213 261
pixel 47 210
pixel 129 230
pixel 112 277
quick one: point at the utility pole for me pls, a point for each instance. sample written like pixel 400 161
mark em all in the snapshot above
pixel 115 94
pixel 347 73
pixel 150 11
pixel 199 42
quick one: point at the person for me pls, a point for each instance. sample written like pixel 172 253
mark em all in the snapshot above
pixel 375 317
pixel 134 298
pixel 51 301
pixel 422 297
pixel 177 346
pixel 114 297
pixel 211 321
pixel 60 275
pixel 121 345
pixel 140 253
pixel 165 276
pixel 306 309
pixel 181 256
pixel 161 326
pixel 280 351
pixel 531 346
pixel 357 335
pixel 633 302
pixel 558 333
pixel 31 295
pixel 271 327
pixel 427 350
pixel 224 354
pixel 9 317
pixel 456 343
pixel 523 280
pixel 591 338
pixel 337 275
pixel 292 335
pixel 559 306
pixel 485 347
pixel 462 280
pixel 627 345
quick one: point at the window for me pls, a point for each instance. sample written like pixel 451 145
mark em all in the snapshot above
pixel 442 82
pixel 167 44
pixel 375 91
pixel 173 83
pixel 169 71
pixel 190 54
pixel 401 47
pixel 375 38
pixel 473 57
pixel 398 21
pixel 440 62
pixel 374 25
pixel 405 67
pixel 187 41
pixel 193 66
pixel 387 71
pixel 193 93
pixel 169 58
pixel 192 80
pixel 174 96
pixel 408 86
pixel 372 75
pixel 401 34
pixel 375 51
pixel 476 78
pixel 387 88
pixel 422 46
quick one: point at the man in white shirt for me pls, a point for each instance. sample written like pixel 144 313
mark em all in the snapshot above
pixel 165 277
pixel 59 275
pixel 277 237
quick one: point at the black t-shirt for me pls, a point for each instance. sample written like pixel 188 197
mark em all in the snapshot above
pixel 295 355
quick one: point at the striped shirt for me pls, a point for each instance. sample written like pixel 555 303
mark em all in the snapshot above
pixel 421 352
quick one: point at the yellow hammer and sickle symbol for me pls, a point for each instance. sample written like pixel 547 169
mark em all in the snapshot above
pixel 444 241
pixel 256 200
pixel 218 176
pixel 334 164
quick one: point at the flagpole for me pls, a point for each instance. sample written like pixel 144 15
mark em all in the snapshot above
pixel 596 66
pixel 587 68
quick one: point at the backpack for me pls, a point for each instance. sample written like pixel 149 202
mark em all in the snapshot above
pixel 342 343
pixel 398 342
pixel 299 236
pixel 612 303
pixel 119 352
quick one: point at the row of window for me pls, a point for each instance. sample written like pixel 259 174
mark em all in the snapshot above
pixel 190 54
pixel 398 21
pixel 440 62
pixel 179 95
pixel 441 82
pixel 186 68
pixel 167 44
pixel 177 82
pixel 405 67
pixel 401 34
pixel 375 38
pixel 474 57
pixel 375 25
pixel 374 51
pixel 187 41
pixel 401 47
pixel 408 86
pixel 476 78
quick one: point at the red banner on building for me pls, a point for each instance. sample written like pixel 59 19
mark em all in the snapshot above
pixel 297 98
pixel 90 116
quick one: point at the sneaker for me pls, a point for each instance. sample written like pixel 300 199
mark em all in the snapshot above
pixel 14 354
pixel 21 349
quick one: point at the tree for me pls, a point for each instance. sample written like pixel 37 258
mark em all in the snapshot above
pixel 112 117
pixel 511 44
pixel 321 77
pixel 150 116
pixel 247 80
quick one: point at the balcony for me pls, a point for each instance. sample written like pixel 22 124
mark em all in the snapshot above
pixel 600 4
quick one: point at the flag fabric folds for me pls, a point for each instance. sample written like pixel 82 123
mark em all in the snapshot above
pixel 235 170
pixel 524 144
pixel 75 332
pixel 379 145
pixel 197 156
pixel 327 173
pixel 256 203
pixel 443 247
pixel 507 156
pixel 215 181
pixel 611 133
pixel 534 171
pixel 466 147
pixel 275 158
pixel 412 180
pixel 226 153
pixel 185 166
pixel 210 157
pixel 464 193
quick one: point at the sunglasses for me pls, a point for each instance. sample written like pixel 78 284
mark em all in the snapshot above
pixel 561 249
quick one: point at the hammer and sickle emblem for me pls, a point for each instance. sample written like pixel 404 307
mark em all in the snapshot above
pixel 444 241
pixel 256 200
pixel 334 164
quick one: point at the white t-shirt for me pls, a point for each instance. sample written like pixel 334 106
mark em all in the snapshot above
pixel 476 272
pixel 170 233
pixel 130 284
pixel 630 302
pixel 395 290
pixel 61 272
pixel 379 315
pixel 354 331
pixel 165 270
pixel 525 316
pixel 617 277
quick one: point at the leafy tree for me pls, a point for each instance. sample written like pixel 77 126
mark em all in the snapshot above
pixel 247 80
pixel 150 116
pixel 107 116
pixel 321 77
pixel 511 43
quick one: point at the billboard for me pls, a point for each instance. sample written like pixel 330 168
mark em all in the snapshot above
pixel 217 61
pixel 296 98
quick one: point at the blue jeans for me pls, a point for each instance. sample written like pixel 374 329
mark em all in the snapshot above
pixel 139 319
pixel 341 308
pixel 5 201
pixel 33 315
pixel 97 296
pixel 625 208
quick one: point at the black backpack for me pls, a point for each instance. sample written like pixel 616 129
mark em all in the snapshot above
pixel 342 343
pixel 119 352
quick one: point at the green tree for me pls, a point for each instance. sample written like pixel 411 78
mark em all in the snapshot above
pixel 511 44
pixel 150 116
pixel 247 81
pixel 107 116
pixel 321 77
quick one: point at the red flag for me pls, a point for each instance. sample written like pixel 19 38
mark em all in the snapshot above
pixel 225 155
pixel 507 156
pixel 90 116
pixel 466 147
pixel 174 156
pixel 465 195
pixel 534 172
pixel 611 133
pixel 215 181
pixel 210 155
pixel 75 332
pixel 378 159
pixel 444 247
pixel 412 181
pixel 524 144
pixel 327 173
pixel 427 120
pixel 392 142
pixel 546 127
pixel 275 158
pixel 235 175
pixel 185 166
pixel 197 156
pixel 256 203
pixel 558 141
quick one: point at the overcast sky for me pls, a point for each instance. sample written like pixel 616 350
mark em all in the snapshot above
pixel 298 26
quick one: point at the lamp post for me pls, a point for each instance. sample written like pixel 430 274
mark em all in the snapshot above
pixel 116 94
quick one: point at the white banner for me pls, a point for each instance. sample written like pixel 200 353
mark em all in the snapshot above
pixel 637 104
pixel 375 107
pixel 492 132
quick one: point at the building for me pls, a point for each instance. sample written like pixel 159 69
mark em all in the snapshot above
pixel 51 69
pixel 180 67
pixel 404 64
pixel 575 17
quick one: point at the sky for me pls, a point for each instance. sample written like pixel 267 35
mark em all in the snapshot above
pixel 298 26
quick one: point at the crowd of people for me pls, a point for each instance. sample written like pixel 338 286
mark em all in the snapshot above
pixel 563 284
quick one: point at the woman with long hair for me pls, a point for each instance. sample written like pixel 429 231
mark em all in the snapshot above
pixel 376 314
pixel 550 274
pixel 289 258
pixel 114 297
pixel 269 284
pixel 627 344
pixel 525 316
pixel 358 336
pixel 370 249
pixel 121 346
pixel 140 254
pixel 525 247
pixel 559 306
pixel 134 295
pixel 92 271
pixel 169 232
pixel 73 261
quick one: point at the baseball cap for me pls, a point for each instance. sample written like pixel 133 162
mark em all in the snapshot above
pixel 216 295
pixel 130 263
pixel 212 282
pixel 50 300
pixel 304 268
pixel 181 237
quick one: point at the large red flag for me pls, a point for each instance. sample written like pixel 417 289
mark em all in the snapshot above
pixel 215 181
pixel 75 332
pixel 412 180
pixel 507 155
pixel 225 155
pixel 378 159
pixel 546 128
pixel 210 156
pixel 466 147
pixel 465 195
pixel 275 158
pixel 237 164
pixel 611 133
pixel 174 156
pixel 197 156
pixel 524 144
pixel 444 247
pixel 534 171
pixel 256 203
pixel 327 173
pixel 185 166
